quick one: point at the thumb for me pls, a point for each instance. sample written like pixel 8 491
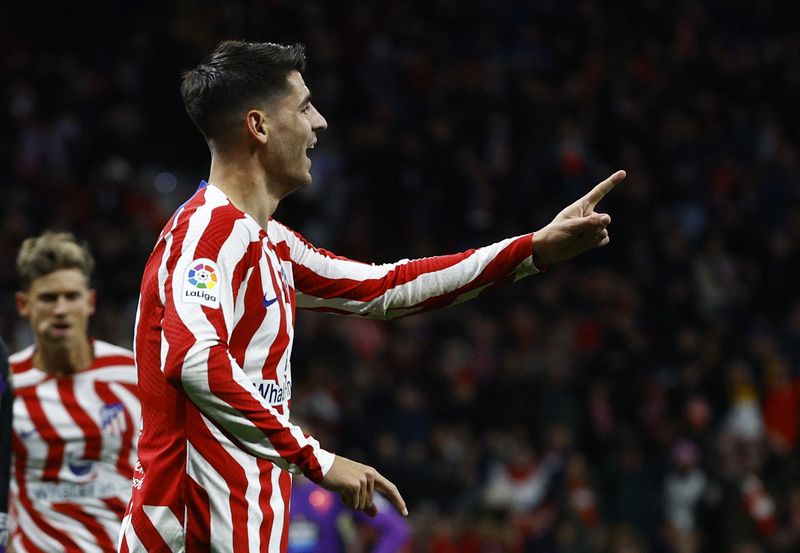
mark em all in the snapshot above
pixel 597 220
pixel 590 223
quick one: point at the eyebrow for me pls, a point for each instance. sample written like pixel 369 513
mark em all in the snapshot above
pixel 306 99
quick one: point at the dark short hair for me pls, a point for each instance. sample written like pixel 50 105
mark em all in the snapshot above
pixel 52 251
pixel 235 77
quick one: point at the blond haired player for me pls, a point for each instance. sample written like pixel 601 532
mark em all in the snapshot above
pixel 76 409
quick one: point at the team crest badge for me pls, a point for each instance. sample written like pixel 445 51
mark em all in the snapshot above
pixel 112 419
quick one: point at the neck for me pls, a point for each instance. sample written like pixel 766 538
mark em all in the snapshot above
pixel 246 186
pixel 63 359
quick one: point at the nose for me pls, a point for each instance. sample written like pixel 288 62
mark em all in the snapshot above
pixel 61 305
pixel 319 123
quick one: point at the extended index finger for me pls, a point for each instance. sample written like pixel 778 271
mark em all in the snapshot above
pixel 598 192
pixel 391 493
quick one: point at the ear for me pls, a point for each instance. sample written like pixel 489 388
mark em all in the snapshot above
pixel 257 125
pixel 91 300
pixel 23 307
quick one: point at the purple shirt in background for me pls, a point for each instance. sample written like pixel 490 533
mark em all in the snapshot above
pixel 314 515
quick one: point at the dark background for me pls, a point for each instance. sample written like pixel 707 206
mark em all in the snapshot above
pixel 641 398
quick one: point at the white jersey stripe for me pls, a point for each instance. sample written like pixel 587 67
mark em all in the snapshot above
pixel 62 424
pixel 78 532
pixel 240 307
pixel 17 546
pixel 162 271
pixel 99 512
pixel 40 539
pixel 134 544
pixel 206 476
pixel 36 449
pixel 166 523
pixel 128 533
pixel 250 466
pixel 28 378
pixel 279 512
pixel 124 526
pixel 114 374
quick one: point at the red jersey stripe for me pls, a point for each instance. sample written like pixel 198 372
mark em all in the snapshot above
pixel 88 427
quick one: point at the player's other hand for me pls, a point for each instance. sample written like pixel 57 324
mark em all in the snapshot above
pixel 356 484
pixel 577 228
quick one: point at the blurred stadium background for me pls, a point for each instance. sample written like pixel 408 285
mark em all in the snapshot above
pixel 643 398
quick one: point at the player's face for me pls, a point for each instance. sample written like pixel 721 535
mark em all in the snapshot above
pixel 58 307
pixel 293 126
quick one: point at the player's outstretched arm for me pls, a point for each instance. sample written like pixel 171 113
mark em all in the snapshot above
pixel 577 228
pixel 356 484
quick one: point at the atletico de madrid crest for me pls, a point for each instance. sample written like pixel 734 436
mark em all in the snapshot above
pixel 112 419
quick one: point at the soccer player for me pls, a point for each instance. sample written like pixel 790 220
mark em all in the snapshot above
pixel 216 315
pixel 320 522
pixel 76 411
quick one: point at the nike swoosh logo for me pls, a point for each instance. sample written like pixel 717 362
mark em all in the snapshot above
pixel 267 302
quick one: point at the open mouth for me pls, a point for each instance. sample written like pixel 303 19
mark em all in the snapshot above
pixel 60 328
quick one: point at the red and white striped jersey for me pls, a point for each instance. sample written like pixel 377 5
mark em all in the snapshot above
pixel 74 446
pixel 213 341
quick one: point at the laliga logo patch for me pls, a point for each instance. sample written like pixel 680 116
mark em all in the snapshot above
pixel 201 283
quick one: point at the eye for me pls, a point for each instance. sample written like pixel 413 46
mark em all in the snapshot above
pixel 306 108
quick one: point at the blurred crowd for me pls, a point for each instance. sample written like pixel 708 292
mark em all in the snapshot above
pixel 642 398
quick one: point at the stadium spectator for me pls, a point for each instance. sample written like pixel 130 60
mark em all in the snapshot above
pixel 684 488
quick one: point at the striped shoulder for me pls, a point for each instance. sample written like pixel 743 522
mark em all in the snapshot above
pixel 22 369
pixel 112 364
pixel 290 244
pixel 278 232
pixel 104 349
pixel 190 205
pixel 22 357
pixel 211 219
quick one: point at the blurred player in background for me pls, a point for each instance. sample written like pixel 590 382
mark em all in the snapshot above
pixel 320 523
pixel 216 314
pixel 76 412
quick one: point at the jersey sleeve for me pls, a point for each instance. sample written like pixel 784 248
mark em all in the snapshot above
pixel 327 282
pixel 203 274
